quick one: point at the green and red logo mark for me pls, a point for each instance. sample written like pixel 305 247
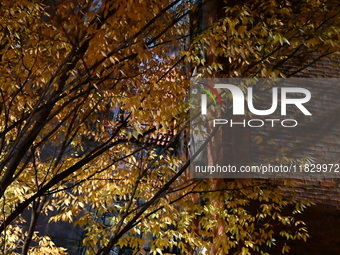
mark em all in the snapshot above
pixel 211 92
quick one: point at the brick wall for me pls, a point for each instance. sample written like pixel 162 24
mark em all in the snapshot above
pixel 319 191
pixel 324 191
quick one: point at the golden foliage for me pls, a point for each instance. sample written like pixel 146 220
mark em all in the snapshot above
pixel 86 84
